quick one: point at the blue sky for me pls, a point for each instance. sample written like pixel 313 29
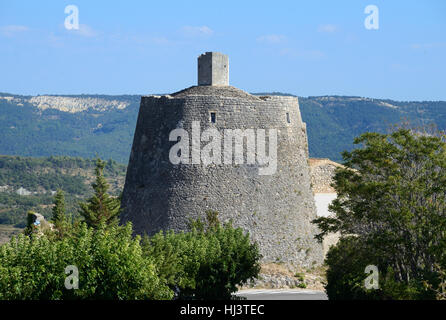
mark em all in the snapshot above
pixel 302 47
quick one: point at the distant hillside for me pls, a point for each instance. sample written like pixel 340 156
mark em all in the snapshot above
pixel 29 184
pixel 79 126
pixel 333 122
pixel 85 125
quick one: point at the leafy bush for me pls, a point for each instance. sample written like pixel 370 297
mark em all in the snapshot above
pixel 345 274
pixel 206 263
pixel 347 262
pixel 110 263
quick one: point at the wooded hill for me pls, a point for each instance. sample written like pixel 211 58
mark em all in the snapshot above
pixel 29 184
pixel 86 125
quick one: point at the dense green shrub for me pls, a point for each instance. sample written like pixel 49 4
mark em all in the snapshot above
pixel 206 263
pixel 110 262
pixel 347 262
pixel 231 261
pixel 345 274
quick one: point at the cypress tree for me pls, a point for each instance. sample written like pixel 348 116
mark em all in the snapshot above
pixel 101 210
pixel 59 208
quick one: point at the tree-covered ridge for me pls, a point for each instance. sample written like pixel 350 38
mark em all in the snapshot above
pixel 332 124
pixel 27 130
pixel 41 177
pixel 52 173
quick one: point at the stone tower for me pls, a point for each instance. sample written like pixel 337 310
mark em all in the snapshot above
pixel 213 69
pixel 165 187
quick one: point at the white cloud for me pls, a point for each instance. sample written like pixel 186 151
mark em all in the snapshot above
pixel 272 38
pixel 327 28
pixel 11 30
pixel 83 31
pixel 86 31
pixel 193 31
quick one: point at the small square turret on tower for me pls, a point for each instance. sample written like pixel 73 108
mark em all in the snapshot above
pixel 213 69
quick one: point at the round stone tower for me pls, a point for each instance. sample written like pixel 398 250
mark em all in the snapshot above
pixel 216 147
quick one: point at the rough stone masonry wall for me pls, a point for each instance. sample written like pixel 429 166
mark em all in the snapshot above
pixel 275 209
pixel 322 172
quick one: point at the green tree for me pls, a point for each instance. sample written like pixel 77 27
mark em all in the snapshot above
pixel 208 262
pixel 391 198
pixel 59 215
pixel 30 219
pixel 232 259
pixel 101 209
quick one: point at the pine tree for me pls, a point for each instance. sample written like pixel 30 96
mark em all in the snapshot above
pixel 101 210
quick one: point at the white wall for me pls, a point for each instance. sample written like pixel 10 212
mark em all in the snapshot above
pixel 322 201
